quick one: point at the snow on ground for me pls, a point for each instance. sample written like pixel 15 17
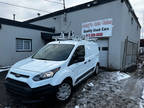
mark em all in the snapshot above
pixel 121 76
pixel 108 90
pixel 142 95
pixel 3 69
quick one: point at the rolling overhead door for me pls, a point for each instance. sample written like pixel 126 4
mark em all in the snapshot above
pixel 103 48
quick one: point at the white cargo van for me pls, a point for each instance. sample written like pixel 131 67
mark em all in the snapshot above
pixel 53 70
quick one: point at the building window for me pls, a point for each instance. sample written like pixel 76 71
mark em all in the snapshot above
pixel 23 45
pixel 104 48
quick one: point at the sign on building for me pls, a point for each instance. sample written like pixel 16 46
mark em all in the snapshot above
pixel 99 28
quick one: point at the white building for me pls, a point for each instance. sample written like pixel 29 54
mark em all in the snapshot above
pixel 113 22
pixel 19 40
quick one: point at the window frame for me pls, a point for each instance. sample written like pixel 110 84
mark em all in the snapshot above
pixel 71 60
pixel 24 50
pixel 105 48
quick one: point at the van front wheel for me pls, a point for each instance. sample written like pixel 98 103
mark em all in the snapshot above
pixel 64 92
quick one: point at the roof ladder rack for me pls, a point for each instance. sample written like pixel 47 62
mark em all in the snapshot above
pixel 72 36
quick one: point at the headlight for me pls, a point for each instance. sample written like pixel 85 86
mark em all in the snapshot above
pixel 46 75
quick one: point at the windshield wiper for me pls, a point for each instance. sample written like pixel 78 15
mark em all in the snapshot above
pixel 40 58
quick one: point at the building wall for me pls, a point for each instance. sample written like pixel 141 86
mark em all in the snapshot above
pixel 130 30
pixel 8 35
pixel 75 19
pixel 121 26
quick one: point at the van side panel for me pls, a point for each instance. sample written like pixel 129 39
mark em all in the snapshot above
pixel 92 54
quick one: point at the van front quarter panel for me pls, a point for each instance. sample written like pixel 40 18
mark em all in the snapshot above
pixel 61 76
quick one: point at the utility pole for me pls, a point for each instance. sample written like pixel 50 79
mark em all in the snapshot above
pixel 14 16
pixel 65 17
pixel 64 4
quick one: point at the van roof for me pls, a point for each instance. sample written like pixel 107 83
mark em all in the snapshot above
pixel 74 42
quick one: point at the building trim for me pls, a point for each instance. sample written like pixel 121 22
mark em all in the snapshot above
pixel 71 9
pixel 25 25
pixel 80 7
pixel 132 11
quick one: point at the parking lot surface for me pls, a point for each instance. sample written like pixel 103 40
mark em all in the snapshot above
pixel 106 90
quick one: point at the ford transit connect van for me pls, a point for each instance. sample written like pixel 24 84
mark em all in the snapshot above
pixel 53 70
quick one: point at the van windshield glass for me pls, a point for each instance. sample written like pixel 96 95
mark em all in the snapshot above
pixel 54 52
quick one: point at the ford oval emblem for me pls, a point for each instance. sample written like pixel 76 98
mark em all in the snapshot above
pixel 17 75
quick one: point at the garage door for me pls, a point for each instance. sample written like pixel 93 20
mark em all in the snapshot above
pixel 103 48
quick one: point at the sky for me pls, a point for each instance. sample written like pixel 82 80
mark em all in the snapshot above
pixel 48 6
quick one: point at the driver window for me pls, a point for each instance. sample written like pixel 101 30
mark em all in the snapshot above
pixel 79 53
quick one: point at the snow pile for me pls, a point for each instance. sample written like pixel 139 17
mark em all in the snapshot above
pixel 142 97
pixel 3 69
pixel 121 76
pixel 90 84
pixel 76 106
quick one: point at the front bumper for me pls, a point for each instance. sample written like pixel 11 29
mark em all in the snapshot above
pixel 25 93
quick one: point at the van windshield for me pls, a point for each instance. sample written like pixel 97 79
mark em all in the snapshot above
pixel 54 52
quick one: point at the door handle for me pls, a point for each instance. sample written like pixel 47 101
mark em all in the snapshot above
pixel 89 60
pixel 85 62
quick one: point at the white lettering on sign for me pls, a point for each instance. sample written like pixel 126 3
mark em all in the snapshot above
pixel 100 28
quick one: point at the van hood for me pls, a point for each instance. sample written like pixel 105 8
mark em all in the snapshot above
pixel 35 65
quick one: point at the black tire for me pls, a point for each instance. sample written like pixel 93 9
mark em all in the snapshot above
pixel 64 92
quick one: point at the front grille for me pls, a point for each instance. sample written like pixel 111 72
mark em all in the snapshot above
pixel 18 83
pixel 17 88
